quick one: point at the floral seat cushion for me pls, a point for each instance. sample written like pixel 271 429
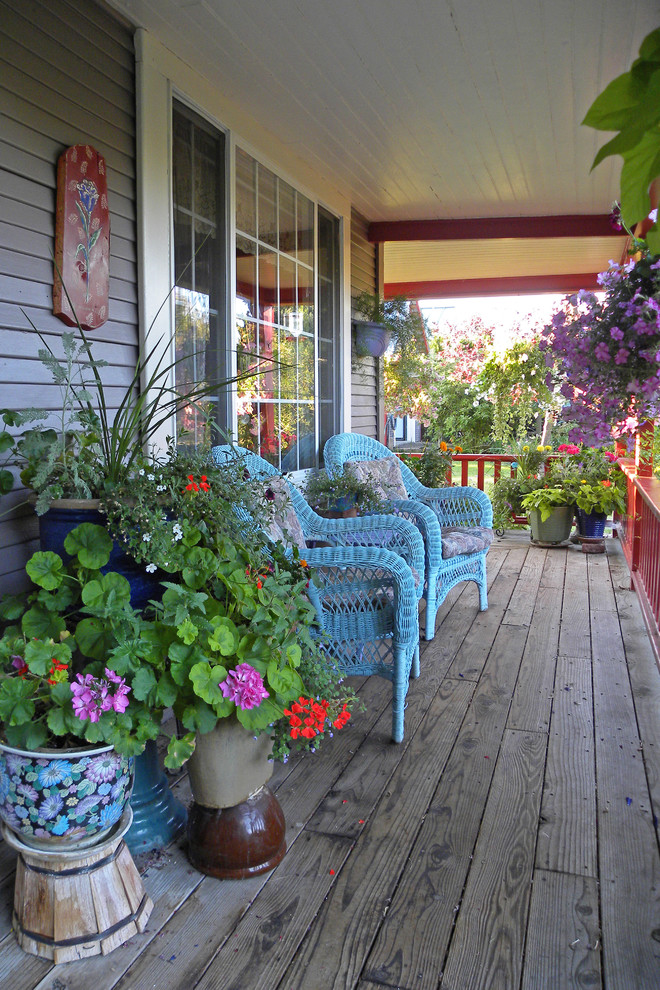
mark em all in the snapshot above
pixel 384 475
pixel 284 524
pixel 458 540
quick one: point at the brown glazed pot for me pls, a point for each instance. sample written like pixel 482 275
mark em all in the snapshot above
pixel 236 826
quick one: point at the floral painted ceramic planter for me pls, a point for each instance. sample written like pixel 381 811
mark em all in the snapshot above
pixel 63 798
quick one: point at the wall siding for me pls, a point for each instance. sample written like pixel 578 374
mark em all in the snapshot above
pixel 366 372
pixel 67 72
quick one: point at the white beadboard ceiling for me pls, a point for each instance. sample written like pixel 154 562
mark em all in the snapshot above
pixel 422 109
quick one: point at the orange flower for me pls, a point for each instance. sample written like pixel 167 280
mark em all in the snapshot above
pixel 443 446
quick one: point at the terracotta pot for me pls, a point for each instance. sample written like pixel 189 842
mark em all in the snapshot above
pixel 235 825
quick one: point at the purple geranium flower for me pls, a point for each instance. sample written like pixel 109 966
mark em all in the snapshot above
pixel 244 686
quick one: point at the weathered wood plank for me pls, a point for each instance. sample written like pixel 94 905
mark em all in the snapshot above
pixel 487 947
pixel 521 606
pixel 554 570
pixel 428 893
pixel 642 670
pixel 337 943
pixel 606 639
pixel 567 834
pixel 574 638
pixel 532 699
pixel 601 593
pixel 562 949
pixel 354 795
pixel 628 853
pixel 267 937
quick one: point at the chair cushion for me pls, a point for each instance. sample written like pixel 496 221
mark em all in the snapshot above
pixel 384 475
pixel 465 539
pixel 284 524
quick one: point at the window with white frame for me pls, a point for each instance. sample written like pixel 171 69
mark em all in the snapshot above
pixel 287 279
pixel 286 300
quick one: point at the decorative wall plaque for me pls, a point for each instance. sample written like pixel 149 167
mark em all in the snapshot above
pixel 82 239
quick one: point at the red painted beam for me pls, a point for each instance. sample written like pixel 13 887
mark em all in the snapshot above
pixel 516 285
pixel 478 228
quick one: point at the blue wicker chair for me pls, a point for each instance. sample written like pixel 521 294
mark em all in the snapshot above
pixel 455 522
pixel 369 582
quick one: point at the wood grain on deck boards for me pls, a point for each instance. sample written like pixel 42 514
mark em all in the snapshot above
pixel 334 950
pixel 521 605
pixel 487 946
pixel 264 942
pixel 355 794
pixel 562 951
pixel 629 863
pixel 601 593
pixel 428 893
pixel 574 637
pixel 643 673
pixel 567 832
pixel 532 698
pixel 404 871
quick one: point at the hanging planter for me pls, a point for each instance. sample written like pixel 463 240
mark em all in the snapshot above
pixel 371 339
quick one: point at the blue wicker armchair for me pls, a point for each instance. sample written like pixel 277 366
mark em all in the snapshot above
pixel 368 584
pixel 455 522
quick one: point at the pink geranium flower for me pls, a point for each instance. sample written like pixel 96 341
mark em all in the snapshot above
pixel 244 686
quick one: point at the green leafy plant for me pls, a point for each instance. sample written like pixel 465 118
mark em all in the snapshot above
pixel 545 499
pixel 630 104
pixel 93 443
pixel 340 492
pixel 602 496
pixel 433 468
pixel 234 624
pixel 65 650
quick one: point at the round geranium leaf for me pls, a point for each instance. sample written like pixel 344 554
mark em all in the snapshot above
pixel 106 594
pixel 45 568
pixel 90 543
pixel 39 623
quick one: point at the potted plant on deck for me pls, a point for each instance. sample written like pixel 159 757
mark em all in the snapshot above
pixel 245 672
pixel 598 487
pixel 550 509
pixel 61 693
pixel 508 491
pixel 342 495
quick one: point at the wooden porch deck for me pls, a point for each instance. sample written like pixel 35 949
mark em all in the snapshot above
pixel 510 842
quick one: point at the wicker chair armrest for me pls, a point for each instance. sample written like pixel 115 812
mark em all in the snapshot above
pixel 392 532
pixel 393 572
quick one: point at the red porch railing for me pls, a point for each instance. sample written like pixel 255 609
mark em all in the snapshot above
pixel 639 532
pixel 484 462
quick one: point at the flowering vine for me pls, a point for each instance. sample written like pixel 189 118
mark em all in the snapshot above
pixel 605 353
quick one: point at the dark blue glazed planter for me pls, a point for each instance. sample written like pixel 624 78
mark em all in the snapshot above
pixel 65 514
pixel 158 817
pixel 591 524
pixel 371 339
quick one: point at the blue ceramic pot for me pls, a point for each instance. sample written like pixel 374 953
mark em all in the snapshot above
pixel 158 817
pixel 65 798
pixel 65 514
pixel 591 524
